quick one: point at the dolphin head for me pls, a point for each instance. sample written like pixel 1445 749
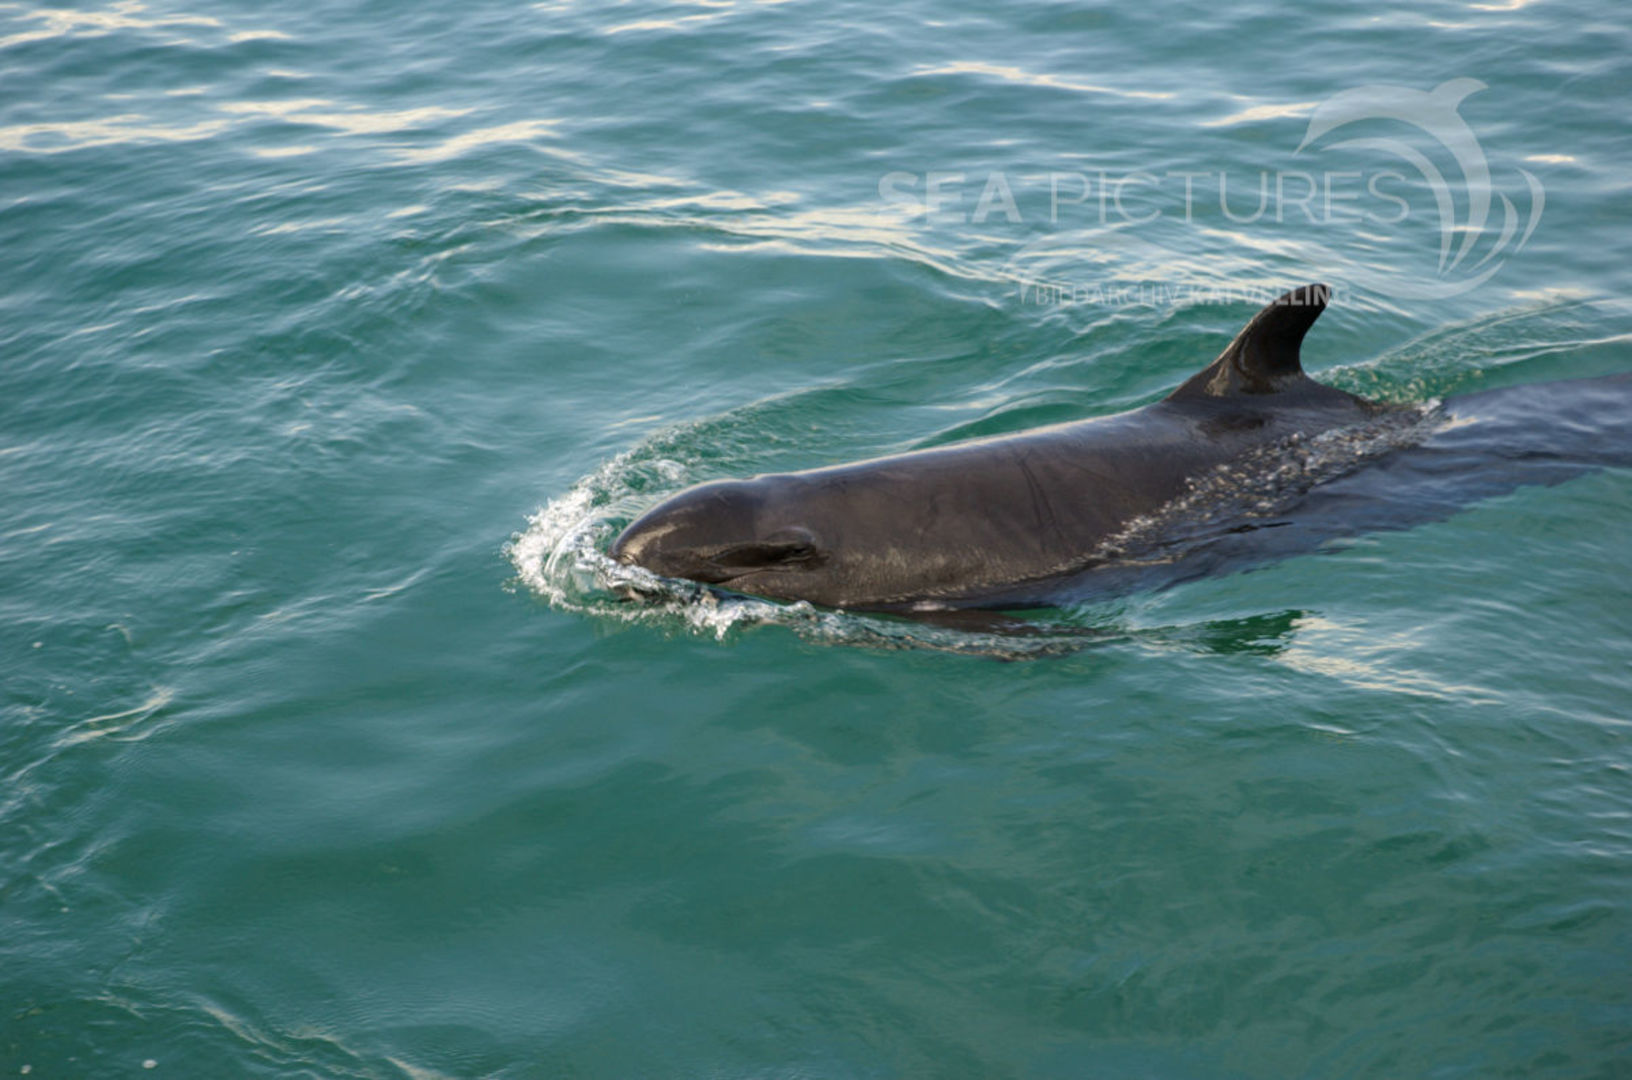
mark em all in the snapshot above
pixel 742 534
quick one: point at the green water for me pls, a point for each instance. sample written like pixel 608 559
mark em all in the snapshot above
pixel 335 341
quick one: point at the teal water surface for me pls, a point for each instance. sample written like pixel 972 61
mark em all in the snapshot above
pixel 335 340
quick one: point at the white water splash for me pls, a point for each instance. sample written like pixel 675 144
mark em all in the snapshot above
pixel 561 555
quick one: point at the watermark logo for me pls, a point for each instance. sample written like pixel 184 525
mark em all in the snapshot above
pixel 1437 114
pixel 1126 236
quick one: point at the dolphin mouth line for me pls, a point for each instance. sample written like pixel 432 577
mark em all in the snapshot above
pixel 785 551
pixel 749 560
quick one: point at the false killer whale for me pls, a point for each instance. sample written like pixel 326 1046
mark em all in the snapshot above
pixel 1010 521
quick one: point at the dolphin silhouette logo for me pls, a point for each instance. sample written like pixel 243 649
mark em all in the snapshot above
pixel 1437 113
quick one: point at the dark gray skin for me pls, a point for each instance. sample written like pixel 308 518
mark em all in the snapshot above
pixel 989 523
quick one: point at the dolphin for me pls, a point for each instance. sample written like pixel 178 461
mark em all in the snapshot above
pixel 1013 521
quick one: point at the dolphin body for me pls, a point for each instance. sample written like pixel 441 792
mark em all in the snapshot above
pixel 1023 520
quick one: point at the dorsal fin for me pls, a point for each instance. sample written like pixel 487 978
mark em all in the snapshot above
pixel 1263 358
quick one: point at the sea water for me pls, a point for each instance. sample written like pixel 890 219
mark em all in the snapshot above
pixel 337 339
